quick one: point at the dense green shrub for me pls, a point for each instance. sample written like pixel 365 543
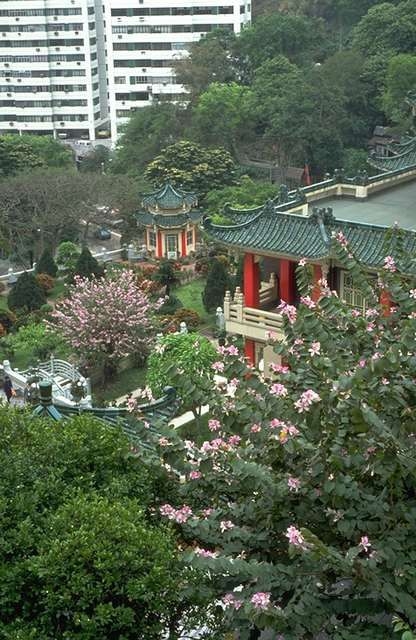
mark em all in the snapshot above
pixel 216 285
pixel 26 294
pixel 191 317
pixel 82 556
pixel 87 266
pixel 45 281
pixel 47 264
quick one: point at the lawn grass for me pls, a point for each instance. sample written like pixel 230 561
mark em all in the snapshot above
pixel 190 295
pixel 125 382
pixel 58 290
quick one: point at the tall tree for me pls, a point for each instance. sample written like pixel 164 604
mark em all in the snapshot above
pixel 23 153
pixel 193 167
pixel 148 131
pixel 400 79
pixel 87 266
pixel 47 264
pixel 216 286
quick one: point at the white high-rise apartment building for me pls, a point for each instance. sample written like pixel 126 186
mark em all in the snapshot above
pixel 144 37
pixel 72 68
pixel 52 67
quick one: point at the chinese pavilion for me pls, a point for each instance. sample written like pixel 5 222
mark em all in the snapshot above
pixel 279 240
pixel 170 217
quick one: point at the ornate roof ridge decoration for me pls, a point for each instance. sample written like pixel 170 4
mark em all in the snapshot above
pixel 403 156
pixel 273 231
pixel 151 414
pixel 171 198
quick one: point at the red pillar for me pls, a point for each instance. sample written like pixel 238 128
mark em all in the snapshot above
pixel 251 281
pixel 250 350
pixel 287 281
pixel 317 275
pixel 183 249
pixel 385 302
pixel 159 252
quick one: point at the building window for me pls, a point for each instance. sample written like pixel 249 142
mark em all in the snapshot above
pixel 351 293
pixel 152 238
pixel 189 237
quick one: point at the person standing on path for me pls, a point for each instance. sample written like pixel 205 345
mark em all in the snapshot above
pixel 8 388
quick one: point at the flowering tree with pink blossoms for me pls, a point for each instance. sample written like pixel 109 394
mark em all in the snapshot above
pixel 301 509
pixel 105 320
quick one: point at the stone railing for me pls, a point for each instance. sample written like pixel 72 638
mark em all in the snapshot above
pixel 255 324
pixel 102 256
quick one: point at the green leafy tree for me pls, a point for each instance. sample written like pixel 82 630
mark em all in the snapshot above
pixel 400 79
pixel 23 153
pixel 317 458
pixel 183 360
pixel 47 264
pixel 147 132
pixel 387 27
pixel 26 294
pixel 87 266
pixel 216 286
pixel 35 341
pixel 67 257
pixel 193 167
pixel 211 60
pixel 97 161
pixel 222 115
pixel 247 193
pixel 166 275
pixel 79 530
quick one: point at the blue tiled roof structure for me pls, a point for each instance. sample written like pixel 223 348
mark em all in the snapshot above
pixel 168 208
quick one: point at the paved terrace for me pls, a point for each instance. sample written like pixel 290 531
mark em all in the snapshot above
pixel 385 208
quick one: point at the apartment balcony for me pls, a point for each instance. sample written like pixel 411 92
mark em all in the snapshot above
pixel 255 324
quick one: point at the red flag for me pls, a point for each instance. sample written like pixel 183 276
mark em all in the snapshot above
pixel 306 175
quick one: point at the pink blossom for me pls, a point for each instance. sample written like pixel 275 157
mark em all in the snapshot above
pixel 307 301
pixel 307 399
pixel 341 239
pixel 365 544
pixel 205 553
pixel 218 366
pixel 195 475
pixel 302 262
pixel 355 313
pixel 412 293
pixel 315 349
pixel 389 264
pixel 207 512
pixel 168 511
pixel 214 425
pixel 226 525
pixel 278 389
pixel 295 537
pixel 370 327
pixel 362 363
pixel 271 335
pixel 256 428
pixel 278 368
pixel 288 310
pixel 164 442
pixel 293 484
pixel 385 381
pixel 234 440
pixel 229 600
pixel 371 313
pixel 261 600
pixel 183 514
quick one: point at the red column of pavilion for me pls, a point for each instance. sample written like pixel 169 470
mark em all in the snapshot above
pixel 251 297
pixel 159 248
pixel 287 281
pixel 317 275
pixel 183 238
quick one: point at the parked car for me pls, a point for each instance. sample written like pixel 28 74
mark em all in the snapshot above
pixel 102 233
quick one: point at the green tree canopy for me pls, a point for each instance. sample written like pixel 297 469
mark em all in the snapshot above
pixel 245 194
pixel 223 112
pixel 400 79
pixel 97 161
pixel 148 131
pixel 22 153
pixel 387 27
pixel 81 554
pixel 192 167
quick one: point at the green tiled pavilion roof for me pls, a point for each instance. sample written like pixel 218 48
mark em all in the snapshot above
pixel 404 155
pixel 294 236
pixel 168 221
pixel 169 198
